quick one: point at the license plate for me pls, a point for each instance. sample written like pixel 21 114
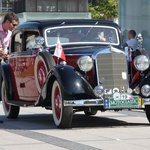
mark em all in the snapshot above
pixel 122 100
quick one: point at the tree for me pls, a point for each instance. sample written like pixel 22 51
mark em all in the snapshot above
pixel 103 9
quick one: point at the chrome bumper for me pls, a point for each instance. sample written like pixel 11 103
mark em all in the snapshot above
pixel 84 102
pixel 146 101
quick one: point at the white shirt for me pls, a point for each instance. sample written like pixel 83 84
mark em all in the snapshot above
pixel 132 43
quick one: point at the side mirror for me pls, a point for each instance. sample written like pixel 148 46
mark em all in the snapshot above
pixel 39 41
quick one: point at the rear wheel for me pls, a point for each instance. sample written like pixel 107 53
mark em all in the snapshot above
pixel 9 110
pixel 147 111
pixel 62 115
pixel 40 71
pixel 90 113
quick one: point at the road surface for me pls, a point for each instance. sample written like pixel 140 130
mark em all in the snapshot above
pixel 35 129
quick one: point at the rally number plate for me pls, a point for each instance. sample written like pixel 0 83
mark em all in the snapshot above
pixel 122 100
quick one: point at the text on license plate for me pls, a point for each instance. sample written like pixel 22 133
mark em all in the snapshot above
pixel 121 100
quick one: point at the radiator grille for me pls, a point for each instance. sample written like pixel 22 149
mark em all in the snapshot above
pixel 113 67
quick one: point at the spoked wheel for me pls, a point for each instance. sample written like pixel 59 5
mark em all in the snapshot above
pixel 147 111
pixel 43 63
pixel 90 113
pixel 9 110
pixel 40 71
pixel 62 115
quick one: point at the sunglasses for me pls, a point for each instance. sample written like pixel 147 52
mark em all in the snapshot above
pixel 14 24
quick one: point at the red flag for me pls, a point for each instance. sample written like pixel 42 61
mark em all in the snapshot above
pixel 59 52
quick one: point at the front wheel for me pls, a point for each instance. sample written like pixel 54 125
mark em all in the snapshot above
pixel 90 113
pixel 62 115
pixel 9 110
pixel 147 111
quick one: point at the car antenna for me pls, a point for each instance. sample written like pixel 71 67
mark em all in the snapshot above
pixel 57 28
pixel 91 28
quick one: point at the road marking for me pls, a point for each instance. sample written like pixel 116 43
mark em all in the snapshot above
pixel 51 140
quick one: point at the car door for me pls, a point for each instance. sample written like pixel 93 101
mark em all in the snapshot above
pixel 27 62
pixel 14 61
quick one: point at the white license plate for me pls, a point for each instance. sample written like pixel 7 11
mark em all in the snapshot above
pixel 122 96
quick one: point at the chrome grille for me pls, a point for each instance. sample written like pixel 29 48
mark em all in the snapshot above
pixel 113 67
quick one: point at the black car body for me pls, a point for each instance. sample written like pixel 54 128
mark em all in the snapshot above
pixel 93 77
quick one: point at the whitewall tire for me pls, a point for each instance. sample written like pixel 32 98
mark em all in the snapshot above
pixel 62 115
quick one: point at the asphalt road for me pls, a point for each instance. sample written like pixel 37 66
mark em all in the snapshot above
pixel 35 129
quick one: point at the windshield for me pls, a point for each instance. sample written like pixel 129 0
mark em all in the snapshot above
pixel 81 35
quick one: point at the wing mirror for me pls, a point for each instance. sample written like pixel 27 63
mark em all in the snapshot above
pixel 39 41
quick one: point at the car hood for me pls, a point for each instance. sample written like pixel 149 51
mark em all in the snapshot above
pixel 89 50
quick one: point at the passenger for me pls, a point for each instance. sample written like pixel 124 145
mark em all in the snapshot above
pixel 101 37
pixel 131 42
pixel 9 23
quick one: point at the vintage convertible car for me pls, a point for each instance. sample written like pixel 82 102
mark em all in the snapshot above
pixel 93 76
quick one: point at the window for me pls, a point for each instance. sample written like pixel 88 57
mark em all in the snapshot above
pixel 18 42
pixel 30 39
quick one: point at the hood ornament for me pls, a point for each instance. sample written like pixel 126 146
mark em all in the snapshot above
pixel 111 47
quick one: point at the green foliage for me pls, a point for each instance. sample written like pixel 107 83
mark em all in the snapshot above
pixel 103 9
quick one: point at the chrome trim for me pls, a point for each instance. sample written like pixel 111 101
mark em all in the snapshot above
pixel 77 54
pixel 146 100
pixel 107 51
pixel 97 73
pixel 84 102
pixel 73 26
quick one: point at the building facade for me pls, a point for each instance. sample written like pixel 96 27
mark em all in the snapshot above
pixel 135 14
pixel 46 9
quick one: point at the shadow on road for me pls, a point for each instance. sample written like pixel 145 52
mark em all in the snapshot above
pixel 45 121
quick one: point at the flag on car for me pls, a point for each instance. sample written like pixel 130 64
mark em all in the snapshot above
pixel 59 52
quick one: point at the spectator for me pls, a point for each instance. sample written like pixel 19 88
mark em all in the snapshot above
pixel 131 42
pixel 9 23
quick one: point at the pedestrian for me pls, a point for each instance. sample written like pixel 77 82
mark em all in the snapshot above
pixel 9 23
pixel 132 41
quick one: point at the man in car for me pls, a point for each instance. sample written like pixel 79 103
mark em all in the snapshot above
pixel 9 23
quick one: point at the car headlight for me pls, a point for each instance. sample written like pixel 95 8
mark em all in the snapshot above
pixel 85 63
pixel 145 90
pixel 141 62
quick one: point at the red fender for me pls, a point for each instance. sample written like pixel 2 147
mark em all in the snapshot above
pixel 136 76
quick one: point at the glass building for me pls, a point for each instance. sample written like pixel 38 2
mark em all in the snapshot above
pixel 135 14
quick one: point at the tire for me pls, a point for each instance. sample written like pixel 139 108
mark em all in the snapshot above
pixel 62 115
pixel 43 63
pixel 90 113
pixel 10 111
pixel 147 111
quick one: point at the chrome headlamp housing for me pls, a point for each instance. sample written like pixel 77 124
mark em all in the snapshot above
pixel 85 63
pixel 145 90
pixel 141 62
